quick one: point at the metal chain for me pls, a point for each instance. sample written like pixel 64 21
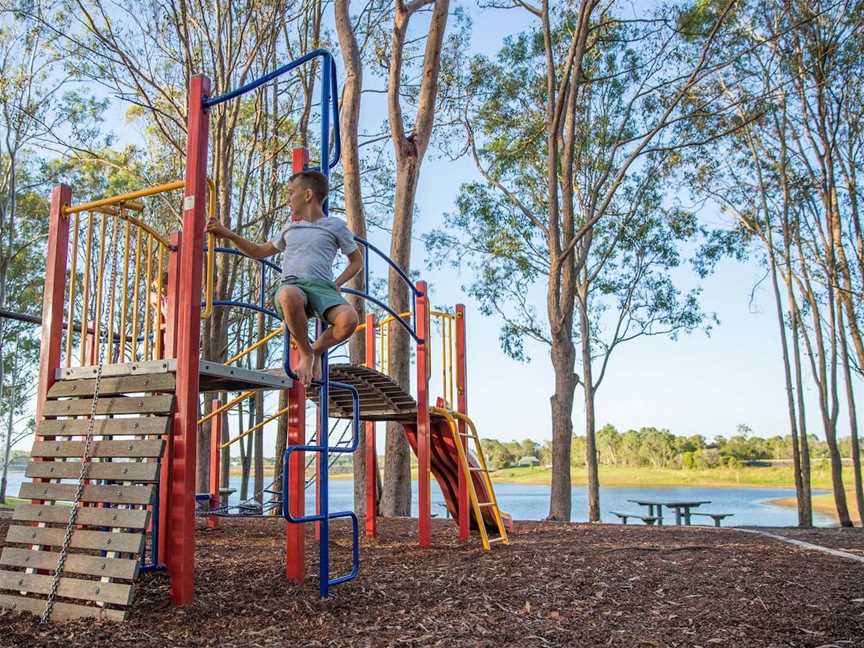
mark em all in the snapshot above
pixel 85 457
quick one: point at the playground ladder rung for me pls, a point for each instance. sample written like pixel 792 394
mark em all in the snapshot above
pixel 497 539
pixel 478 469
pixel 485 504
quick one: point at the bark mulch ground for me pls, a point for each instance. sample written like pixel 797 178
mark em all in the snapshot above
pixel 555 585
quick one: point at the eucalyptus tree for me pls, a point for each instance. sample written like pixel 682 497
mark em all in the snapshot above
pixel 789 177
pixel 568 123
pixel 410 136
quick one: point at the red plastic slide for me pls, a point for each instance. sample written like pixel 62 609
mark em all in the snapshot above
pixel 445 466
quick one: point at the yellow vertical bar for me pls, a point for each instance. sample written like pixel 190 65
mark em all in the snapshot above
pixel 85 293
pixel 386 354
pixel 160 287
pixel 124 293
pixel 115 234
pixel 147 292
pixel 73 285
pixel 443 325
pixel 452 363
pixel 137 279
pixel 100 278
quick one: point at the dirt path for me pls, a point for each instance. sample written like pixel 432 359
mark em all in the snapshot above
pixel 556 585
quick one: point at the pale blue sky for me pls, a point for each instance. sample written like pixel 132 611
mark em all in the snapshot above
pixel 697 385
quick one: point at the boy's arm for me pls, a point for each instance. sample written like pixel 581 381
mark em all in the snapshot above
pixel 355 265
pixel 247 247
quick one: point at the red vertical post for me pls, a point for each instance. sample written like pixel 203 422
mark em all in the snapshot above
pixel 295 568
pixel 53 297
pixel 462 408
pixel 172 290
pixel 215 441
pixel 180 556
pixel 371 455
pixel 424 505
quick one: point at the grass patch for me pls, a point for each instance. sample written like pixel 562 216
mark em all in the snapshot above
pixel 11 502
pixel 752 476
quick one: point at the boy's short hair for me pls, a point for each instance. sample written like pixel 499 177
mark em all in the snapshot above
pixel 314 180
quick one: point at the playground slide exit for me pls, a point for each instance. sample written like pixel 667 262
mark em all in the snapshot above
pixel 445 468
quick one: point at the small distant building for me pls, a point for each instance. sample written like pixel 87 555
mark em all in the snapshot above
pixel 528 461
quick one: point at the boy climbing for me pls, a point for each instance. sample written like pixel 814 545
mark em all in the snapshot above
pixel 308 242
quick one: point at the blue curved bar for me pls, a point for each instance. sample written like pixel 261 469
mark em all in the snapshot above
pixel 380 304
pixel 264 262
pixel 391 263
pixel 330 96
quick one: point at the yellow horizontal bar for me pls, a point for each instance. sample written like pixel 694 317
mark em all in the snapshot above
pixel 257 426
pixel 259 343
pixel 112 211
pixel 226 406
pixel 124 198
pixel 442 314
pixel 390 318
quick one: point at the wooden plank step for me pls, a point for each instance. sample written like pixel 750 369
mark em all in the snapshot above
pixel 74 588
pixel 131 471
pixel 114 385
pixel 60 611
pixel 139 426
pixel 87 516
pixel 124 568
pixel 161 404
pixel 135 448
pixel 102 540
pixel 108 494
pixel 167 365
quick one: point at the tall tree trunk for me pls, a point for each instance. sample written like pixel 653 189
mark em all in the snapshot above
pixel 409 152
pixel 588 390
pixel 355 215
pixel 853 422
pixel 804 443
pixel 396 498
pixel 245 452
pixel 790 392
pixel 563 362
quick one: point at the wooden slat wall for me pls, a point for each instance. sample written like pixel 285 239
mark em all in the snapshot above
pixel 125 467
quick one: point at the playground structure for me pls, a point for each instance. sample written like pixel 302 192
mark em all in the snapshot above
pixel 121 381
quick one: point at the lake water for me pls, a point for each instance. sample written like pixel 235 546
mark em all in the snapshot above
pixel 750 506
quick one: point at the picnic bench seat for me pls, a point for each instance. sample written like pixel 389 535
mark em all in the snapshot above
pixel 647 519
pixel 717 517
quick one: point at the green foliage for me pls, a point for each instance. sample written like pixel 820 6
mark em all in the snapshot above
pixel 650 447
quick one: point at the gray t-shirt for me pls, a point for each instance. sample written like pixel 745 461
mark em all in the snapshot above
pixel 309 249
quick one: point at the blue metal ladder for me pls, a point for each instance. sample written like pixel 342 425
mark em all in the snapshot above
pixel 322 446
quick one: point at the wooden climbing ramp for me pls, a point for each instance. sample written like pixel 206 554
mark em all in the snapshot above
pixel 104 551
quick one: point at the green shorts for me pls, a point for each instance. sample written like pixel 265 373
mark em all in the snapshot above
pixel 320 296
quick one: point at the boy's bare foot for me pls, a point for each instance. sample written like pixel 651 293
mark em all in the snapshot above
pixel 306 368
pixel 316 368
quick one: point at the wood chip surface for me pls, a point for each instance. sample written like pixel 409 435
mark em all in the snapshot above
pixel 555 585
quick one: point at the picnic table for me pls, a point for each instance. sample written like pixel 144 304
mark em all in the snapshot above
pixel 682 509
